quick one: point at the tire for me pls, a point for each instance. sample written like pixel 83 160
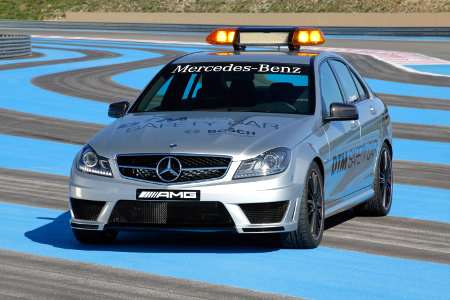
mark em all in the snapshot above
pixel 311 216
pixel 381 203
pixel 94 236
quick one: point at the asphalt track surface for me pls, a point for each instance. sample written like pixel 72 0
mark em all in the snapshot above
pixel 34 277
pixel 46 277
pixel 96 82
pixel 87 55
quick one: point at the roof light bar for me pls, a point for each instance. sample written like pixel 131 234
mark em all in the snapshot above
pixel 240 37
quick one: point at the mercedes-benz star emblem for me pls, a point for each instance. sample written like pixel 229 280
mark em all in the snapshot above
pixel 168 169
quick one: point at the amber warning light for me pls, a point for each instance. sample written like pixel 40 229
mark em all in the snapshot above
pixel 223 36
pixel 307 37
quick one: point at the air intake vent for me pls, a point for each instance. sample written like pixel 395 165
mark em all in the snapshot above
pixel 86 209
pixel 170 214
pixel 262 213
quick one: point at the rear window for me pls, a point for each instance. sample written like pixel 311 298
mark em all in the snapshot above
pixel 268 88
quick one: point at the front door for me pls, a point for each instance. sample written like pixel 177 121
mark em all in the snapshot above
pixel 371 120
pixel 354 92
pixel 343 137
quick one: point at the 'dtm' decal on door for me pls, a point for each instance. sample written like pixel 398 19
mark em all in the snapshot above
pixel 353 157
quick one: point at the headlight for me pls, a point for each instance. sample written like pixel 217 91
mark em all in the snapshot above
pixel 271 162
pixel 92 163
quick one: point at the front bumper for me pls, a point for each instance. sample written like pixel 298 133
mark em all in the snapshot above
pixel 236 196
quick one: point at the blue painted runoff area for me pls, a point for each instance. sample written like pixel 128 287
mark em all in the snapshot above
pixel 422 151
pixel 422 203
pixel 435 69
pixel 228 260
pixel 19 94
pixel 35 155
pixel 420 116
pixel 409 89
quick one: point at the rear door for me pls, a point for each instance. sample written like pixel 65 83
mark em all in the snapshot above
pixel 343 137
pixel 363 156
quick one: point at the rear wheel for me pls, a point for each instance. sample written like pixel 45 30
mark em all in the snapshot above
pixel 94 236
pixel 381 203
pixel 311 215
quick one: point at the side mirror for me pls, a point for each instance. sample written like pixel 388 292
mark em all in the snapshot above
pixel 118 109
pixel 342 112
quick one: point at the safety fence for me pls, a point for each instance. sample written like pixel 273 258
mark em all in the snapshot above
pixel 12 45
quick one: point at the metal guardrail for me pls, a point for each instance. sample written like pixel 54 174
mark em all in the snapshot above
pixel 148 27
pixel 12 45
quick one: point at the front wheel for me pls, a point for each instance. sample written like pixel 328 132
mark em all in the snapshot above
pixel 94 236
pixel 381 203
pixel 311 216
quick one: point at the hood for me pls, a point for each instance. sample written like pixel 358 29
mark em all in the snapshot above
pixel 237 134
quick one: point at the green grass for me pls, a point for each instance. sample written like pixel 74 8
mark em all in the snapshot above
pixel 55 9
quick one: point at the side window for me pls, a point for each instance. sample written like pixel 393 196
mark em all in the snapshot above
pixel 156 92
pixel 329 88
pixel 361 90
pixel 348 85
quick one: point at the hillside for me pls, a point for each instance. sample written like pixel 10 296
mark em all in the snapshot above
pixel 55 9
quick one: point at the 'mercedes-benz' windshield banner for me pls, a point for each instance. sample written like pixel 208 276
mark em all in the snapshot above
pixel 231 67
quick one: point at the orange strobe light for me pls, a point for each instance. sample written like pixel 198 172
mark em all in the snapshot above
pixel 307 37
pixel 222 36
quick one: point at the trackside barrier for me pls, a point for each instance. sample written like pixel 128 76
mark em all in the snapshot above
pixel 12 45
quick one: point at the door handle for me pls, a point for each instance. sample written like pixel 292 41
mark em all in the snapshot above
pixel 354 124
pixel 373 110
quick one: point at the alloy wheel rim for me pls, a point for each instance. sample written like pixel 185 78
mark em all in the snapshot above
pixel 315 204
pixel 385 179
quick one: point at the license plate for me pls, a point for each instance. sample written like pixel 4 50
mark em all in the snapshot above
pixel 167 195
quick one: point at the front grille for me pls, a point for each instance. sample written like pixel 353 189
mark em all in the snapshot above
pixel 261 213
pixel 193 168
pixel 170 214
pixel 86 209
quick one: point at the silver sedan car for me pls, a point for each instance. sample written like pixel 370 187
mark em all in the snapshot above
pixel 251 141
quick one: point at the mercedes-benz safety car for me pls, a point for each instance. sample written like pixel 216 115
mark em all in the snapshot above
pixel 264 138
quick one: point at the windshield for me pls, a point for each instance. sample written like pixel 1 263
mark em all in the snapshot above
pixel 269 88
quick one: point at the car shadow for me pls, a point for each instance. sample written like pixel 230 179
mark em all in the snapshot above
pixel 340 218
pixel 57 233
